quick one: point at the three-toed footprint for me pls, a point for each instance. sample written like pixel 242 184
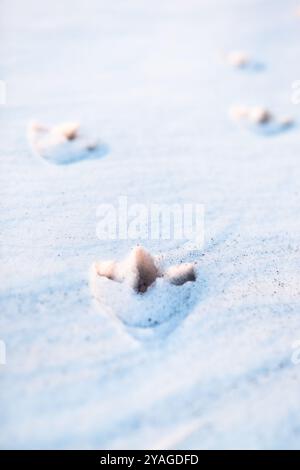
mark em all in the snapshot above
pixel 139 291
pixel 64 143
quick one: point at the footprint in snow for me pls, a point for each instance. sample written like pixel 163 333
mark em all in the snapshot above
pixel 260 120
pixel 242 60
pixel 140 292
pixel 63 144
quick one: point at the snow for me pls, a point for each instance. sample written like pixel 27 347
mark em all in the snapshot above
pixel 146 79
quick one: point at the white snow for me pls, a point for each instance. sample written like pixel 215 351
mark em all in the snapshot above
pixel 146 78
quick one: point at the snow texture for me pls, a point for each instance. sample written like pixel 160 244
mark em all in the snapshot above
pixel 145 77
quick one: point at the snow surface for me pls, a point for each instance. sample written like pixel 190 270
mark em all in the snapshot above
pixel 145 77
